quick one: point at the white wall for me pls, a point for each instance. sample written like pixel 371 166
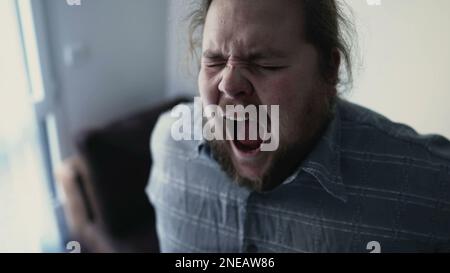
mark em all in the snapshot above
pixel 120 65
pixel 133 54
pixel 405 49
pixel 405 46
pixel 181 72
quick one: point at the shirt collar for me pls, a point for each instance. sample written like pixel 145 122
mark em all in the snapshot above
pixel 323 163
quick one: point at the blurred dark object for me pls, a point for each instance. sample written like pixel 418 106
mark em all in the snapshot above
pixel 106 207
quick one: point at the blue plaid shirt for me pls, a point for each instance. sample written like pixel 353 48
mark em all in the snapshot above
pixel 368 179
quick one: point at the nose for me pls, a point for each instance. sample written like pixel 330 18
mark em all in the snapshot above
pixel 234 84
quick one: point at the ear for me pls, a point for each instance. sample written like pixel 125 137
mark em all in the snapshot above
pixel 332 76
pixel 335 63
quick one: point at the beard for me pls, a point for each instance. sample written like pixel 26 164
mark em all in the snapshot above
pixel 280 163
pixel 287 158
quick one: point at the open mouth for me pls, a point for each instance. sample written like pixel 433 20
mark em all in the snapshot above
pixel 248 146
pixel 244 143
pixel 246 139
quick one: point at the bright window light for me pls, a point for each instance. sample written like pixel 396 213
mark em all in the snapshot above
pixel 26 215
pixel 31 49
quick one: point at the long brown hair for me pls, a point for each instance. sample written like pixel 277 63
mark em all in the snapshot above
pixel 327 27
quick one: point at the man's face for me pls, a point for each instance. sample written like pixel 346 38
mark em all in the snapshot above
pixel 254 53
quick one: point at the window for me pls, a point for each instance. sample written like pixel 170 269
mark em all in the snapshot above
pixel 27 218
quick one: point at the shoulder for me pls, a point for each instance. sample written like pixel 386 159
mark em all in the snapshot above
pixel 391 159
pixel 390 165
pixel 164 136
pixel 367 131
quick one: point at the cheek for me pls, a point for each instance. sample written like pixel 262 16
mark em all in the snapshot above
pixel 292 93
pixel 208 88
pixel 282 90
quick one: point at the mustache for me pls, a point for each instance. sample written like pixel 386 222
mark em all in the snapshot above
pixel 232 102
pixel 243 105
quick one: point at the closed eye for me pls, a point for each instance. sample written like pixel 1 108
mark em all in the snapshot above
pixel 215 64
pixel 271 67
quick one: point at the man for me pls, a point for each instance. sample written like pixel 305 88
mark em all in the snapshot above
pixel 343 179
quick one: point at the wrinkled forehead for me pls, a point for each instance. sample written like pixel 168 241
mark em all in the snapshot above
pixel 233 26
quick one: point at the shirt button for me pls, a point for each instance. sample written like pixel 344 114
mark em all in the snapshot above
pixel 252 248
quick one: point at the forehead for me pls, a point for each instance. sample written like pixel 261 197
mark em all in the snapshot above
pixel 245 25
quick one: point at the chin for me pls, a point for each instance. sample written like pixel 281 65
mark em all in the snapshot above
pixel 247 175
pixel 253 170
pixel 250 170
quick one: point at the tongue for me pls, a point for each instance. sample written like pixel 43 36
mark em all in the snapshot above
pixel 249 144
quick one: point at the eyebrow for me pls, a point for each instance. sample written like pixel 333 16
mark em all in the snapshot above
pixel 253 56
pixel 267 54
pixel 210 54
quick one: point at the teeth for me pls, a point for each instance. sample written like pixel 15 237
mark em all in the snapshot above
pixel 239 116
pixel 233 118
